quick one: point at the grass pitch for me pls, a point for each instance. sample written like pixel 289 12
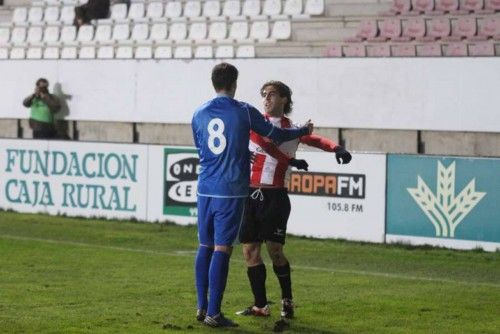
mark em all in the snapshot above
pixel 68 275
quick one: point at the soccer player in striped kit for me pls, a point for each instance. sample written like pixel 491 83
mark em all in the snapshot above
pixel 268 207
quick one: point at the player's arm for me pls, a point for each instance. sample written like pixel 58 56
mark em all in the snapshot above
pixel 341 154
pixel 271 149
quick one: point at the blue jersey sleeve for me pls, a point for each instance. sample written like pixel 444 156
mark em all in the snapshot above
pixel 264 128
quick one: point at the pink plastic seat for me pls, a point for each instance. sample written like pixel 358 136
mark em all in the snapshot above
pixel 429 50
pixel 464 27
pixel 440 27
pixel 456 50
pixel 355 50
pixel 482 49
pixel 468 6
pixel 492 5
pixel 445 6
pixel 413 28
pixel 422 6
pixel 390 28
pixel 404 50
pixel 367 29
pixel 489 27
pixel 334 50
pixel 398 7
pixel 378 50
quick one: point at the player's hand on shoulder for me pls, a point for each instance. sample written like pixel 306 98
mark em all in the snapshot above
pixel 342 155
pixel 299 164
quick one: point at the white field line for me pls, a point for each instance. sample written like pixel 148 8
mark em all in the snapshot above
pixel 190 253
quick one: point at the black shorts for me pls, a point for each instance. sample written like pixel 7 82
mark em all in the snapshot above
pixel 266 216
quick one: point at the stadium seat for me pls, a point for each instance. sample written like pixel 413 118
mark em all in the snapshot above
pixel 173 9
pixel 20 15
pixel 51 34
pixel 315 7
pixel 136 11
pixel 464 27
pixel 155 10
pixel 390 28
pixel 51 52
pixel 158 32
pixel 440 27
pixel 245 51
pixel 491 6
pixel 4 35
pixel 204 51
pixel 103 33
pixel 85 33
pixel 413 28
pixel 68 34
pixel 403 50
pixel 482 49
pixel 106 52
pixel 68 52
pixel 67 15
pixel 217 31
pixel 119 12
pixel 445 6
pixel 140 32
pixel 183 52
pixel 421 7
pixel 178 31
pixel 4 53
pixel 282 30
pixel 121 32
pixel 51 14
pixel 163 52
pixel 35 34
pixel 355 50
pixel 143 52
pixel 293 7
pixel 18 35
pixel 239 30
pixel 251 8
pixel 429 50
pixel 334 50
pixel 468 6
pixel 87 52
pixel 399 7
pixel 378 50
pixel 198 31
pixel 17 53
pixel 35 14
pixel 259 30
pixel 367 29
pixel 124 52
pixel 272 7
pixel 489 27
pixel 192 8
pixel 224 51
pixel 34 53
pixel 232 8
pixel 211 8
pixel 456 50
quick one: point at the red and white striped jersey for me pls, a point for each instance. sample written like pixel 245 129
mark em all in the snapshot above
pixel 270 166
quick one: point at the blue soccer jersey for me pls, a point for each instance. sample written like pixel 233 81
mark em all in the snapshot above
pixel 221 132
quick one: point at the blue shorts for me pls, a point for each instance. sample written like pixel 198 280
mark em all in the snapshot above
pixel 219 219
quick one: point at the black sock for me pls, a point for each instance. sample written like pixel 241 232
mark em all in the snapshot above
pixel 283 274
pixel 257 277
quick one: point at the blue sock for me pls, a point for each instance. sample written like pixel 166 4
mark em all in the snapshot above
pixel 219 269
pixel 202 265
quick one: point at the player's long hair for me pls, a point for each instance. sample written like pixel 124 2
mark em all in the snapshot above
pixel 284 91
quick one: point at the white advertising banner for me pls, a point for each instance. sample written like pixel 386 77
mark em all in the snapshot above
pixel 74 178
pixel 339 201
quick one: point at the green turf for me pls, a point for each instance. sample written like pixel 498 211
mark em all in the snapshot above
pixel 67 275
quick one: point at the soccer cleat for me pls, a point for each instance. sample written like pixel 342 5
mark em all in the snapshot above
pixel 287 308
pixel 200 315
pixel 256 311
pixel 219 320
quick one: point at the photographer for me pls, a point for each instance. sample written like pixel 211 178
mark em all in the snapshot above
pixel 43 106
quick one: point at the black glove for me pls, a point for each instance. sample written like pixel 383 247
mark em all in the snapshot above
pixel 342 155
pixel 298 163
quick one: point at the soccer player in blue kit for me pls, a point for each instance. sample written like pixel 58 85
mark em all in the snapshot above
pixel 221 132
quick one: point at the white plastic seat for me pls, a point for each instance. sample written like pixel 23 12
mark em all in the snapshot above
pixel 140 32
pixel 163 52
pixel 35 34
pixel 17 53
pixel 260 30
pixel 4 35
pixel 282 30
pixel 124 52
pixel 34 53
pixel 204 51
pixel 20 15
pixel 159 31
pixel 183 52
pixel 51 52
pixel 224 51
pixel 198 31
pixel 192 8
pixel 51 14
pixel 18 35
pixel 272 7
pixel 293 7
pixel 251 8
pixel 211 8
pixel 217 31
pixel 239 30
pixel 232 8
pixel 106 52
pixel 35 14
pixel 87 52
pixel 4 53
pixel 68 52
pixel 51 34
pixel 68 34
pixel 178 31
pixel 119 11
pixel 136 11
pixel 315 7
pixel 121 32
pixel 67 15
pixel 173 9
pixel 143 52
pixel 155 10
pixel 245 51
pixel 85 33
pixel 103 33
